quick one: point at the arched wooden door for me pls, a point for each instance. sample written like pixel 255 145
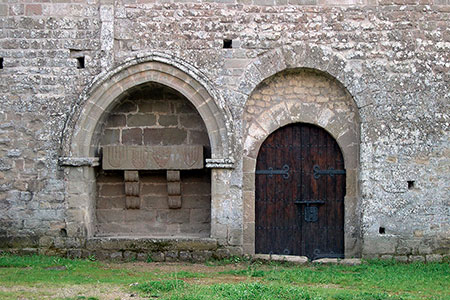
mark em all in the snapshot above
pixel 300 189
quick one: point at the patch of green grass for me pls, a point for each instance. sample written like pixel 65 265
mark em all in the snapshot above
pixel 228 261
pixel 154 288
pixel 186 274
pixel 81 298
pixel 371 280
pixel 38 269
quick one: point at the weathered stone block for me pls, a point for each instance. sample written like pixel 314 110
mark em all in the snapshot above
pixel 200 215
pixel 129 255
pixel 168 120
pixel 333 261
pixel 201 256
pixel 116 121
pixel 173 216
pixel 152 158
pixel 401 258
pixel 132 136
pixel 157 256
pixel 434 258
pixel 193 121
pixel 164 136
pixel 185 256
pixel 350 261
pixel 171 256
pixel 141 120
pixel 141 256
pixel 416 258
pixel 112 190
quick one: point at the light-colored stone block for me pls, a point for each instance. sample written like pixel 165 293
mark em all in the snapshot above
pixel 152 157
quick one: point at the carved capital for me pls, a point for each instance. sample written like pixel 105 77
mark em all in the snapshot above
pixel 220 163
pixel 66 161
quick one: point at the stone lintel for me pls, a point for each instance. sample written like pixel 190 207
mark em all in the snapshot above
pixel 66 161
pixel 181 157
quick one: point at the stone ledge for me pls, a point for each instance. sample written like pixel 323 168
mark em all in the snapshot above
pixel 337 261
pixel 152 244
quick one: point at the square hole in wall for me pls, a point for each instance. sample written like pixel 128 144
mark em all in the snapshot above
pixel 227 44
pixel 381 230
pixel 411 184
pixel 1 62
pixel 80 62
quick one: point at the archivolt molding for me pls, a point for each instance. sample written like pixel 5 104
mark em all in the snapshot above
pixel 345 132
pixel 316 57
pixel 99 97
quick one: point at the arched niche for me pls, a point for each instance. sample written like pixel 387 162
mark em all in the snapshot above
pixel 153 115
pixel 81 136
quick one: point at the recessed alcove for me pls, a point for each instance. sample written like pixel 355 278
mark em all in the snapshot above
pixel 153 115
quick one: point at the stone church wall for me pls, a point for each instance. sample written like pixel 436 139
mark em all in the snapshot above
pixel 392 57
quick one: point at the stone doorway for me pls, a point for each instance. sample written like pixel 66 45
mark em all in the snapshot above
pixel 149 115
pixel 299 194
pixel 303 96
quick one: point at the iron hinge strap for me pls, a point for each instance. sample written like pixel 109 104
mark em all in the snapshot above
pixel 270 172
pixel 330 171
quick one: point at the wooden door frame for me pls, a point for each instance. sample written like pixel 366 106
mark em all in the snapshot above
pixel 346 133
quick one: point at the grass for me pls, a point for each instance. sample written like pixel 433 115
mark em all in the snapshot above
pixel 41 277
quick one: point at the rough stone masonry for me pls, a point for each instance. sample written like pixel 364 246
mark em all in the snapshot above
pixel 76 75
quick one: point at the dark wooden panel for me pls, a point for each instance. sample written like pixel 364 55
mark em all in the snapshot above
pixel 284 226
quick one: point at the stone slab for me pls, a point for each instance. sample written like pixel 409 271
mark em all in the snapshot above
pixel 326 261
pixel 287 258
pixel 184 157
pixel 350 261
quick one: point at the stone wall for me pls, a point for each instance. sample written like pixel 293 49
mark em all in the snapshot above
pixel 390 56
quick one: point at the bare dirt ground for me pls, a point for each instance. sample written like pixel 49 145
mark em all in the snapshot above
pixel 168 267
pixel 114 292
pixel 107 292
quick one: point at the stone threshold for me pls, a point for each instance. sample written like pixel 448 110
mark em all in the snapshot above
pixel 303 259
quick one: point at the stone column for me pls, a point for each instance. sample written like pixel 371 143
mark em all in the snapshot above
pixel 80 195
pixel 107 33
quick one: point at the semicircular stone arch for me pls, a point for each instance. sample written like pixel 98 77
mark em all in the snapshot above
pixel 103 97
pixel 82 135
pixel 302 95
pixel 317 57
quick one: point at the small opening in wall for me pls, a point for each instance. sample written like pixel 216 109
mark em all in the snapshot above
pixel 227 44
pixel 63 232
pixel 1 62
pixel 381 230
pixel 410 184
pixel 80 62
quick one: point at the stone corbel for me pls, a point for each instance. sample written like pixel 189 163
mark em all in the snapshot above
pixel 174 189
pixel 132 187
pixel 66 161
pixel 220 163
